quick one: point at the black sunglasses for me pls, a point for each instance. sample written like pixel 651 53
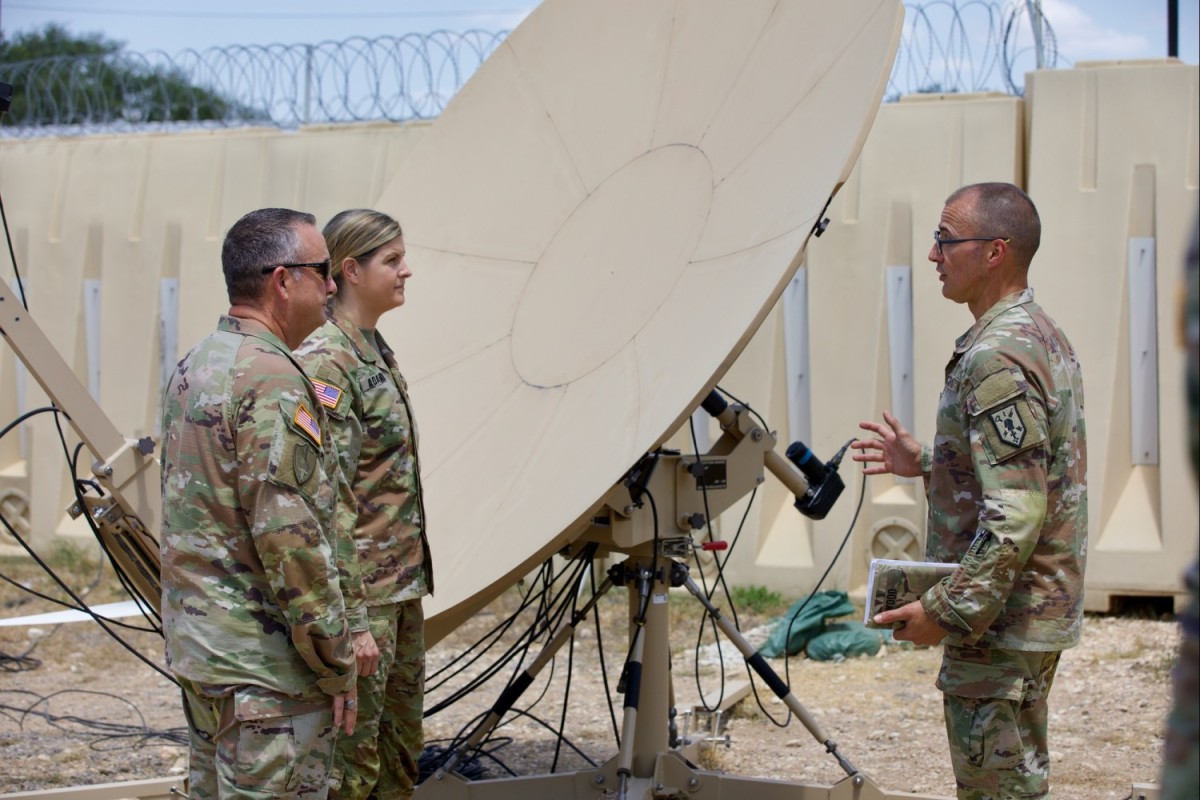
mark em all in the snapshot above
pixel 323 266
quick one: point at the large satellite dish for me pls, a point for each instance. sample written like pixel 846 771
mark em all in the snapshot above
pixel 597 224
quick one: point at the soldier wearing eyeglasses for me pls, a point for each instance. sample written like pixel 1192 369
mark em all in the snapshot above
pixel 1006 483
pixel 252 608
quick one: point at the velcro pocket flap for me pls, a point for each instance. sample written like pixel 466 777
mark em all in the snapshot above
pixel 992 391
pixel 1001 412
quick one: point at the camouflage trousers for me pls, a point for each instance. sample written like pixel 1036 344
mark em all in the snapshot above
pixel 996 716
pixel 252 744
pixel 381 759
pixel 1181 758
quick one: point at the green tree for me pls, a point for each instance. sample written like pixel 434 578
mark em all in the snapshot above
pixel 60 78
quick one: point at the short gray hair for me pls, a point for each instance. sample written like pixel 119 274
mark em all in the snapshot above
pixel 260 239
pixel 1004 211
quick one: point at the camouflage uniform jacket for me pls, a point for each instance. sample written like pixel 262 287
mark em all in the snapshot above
pixel 371 421
pixel 251 594
pixel 1006 479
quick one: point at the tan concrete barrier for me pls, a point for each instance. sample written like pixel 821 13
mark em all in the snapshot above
pixel 1113 164
pixel 123 233
pixel 118 240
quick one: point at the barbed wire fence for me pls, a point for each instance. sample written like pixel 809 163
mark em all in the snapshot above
pixel 946 46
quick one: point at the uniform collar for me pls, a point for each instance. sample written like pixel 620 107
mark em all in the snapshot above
pixel 968 339
pixel 251 327
pixel 363 348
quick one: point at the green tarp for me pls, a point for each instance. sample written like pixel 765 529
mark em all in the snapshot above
pixel 845 640
pixel 808 623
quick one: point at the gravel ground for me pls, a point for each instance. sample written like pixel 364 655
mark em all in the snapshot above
pixel 80 709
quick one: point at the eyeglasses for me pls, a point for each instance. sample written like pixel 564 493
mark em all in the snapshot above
pixel 323 266
pixel 940 242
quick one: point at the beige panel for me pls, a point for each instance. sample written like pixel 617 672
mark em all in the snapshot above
pixel 1113 156
pixel 130 210
pixel 918 151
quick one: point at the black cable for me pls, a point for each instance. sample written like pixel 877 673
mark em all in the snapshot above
pixel 705 616
pixel 728 594
pixel 80 604
pixel 603 665
pixel 12 254
pixel 550 612
pixel 100 619
pixel 521 646
pixel 565 740
pixel 862 494
pixel 43 410
pixel 562 720
pixel 22 663
pixel 492 637
pixel 639 620
pixel 144 604
pixel 103 731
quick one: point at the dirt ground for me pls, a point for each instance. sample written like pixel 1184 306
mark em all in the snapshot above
pixel 77 708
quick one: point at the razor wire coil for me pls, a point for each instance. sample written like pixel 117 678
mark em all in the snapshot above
pixel 946 46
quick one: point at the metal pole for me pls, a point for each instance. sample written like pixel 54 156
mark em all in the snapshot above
pixel 308 83
pixel 1173 28
pixel 1034 7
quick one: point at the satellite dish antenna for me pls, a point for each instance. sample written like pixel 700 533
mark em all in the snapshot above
pixel 598 223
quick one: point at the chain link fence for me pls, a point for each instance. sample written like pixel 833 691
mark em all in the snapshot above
pixel 947 46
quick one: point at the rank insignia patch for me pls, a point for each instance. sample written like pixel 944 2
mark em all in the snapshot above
pixel 327 393
pixel 307 423
pixel 1008 424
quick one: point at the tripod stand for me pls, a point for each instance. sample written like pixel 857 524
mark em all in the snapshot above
pixel 649 764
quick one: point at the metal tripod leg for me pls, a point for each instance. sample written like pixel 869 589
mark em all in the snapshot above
pixel 517 687
pixel 759 665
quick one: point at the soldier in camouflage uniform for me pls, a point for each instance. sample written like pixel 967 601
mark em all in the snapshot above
pixel 1181 767
pixel 1006 483
pixel 252 609
pixel 361 388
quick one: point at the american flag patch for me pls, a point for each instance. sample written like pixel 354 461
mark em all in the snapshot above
pixel 307 423
pixel 327 393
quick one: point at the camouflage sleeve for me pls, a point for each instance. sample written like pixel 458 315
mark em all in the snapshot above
pixel 280 491
pixel 345 433
pixel 1008 436
pixel 349 570
pixel 926 466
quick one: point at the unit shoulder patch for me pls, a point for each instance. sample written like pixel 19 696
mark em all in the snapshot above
pixel 1008 424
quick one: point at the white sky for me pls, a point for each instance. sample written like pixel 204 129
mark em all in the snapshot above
pixel 1086 29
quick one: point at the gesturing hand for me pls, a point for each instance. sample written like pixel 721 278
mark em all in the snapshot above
pixel 895 451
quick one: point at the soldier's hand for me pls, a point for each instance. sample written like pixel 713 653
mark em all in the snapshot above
pixel 918 628
pixel 345 711
pixel 366 652
pixel 897 451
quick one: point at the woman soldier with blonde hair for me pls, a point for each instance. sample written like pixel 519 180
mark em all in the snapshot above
pixel 366 398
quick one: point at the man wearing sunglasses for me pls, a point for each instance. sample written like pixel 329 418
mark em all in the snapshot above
pixel 252 609
pixel 1006 483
